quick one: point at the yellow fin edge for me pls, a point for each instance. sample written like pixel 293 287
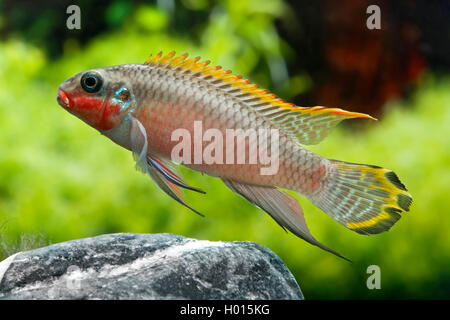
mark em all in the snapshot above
pixel 194 65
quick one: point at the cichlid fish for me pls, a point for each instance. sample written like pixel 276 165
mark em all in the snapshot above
pixel 140 106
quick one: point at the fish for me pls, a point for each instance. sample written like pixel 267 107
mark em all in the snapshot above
pixel 141 106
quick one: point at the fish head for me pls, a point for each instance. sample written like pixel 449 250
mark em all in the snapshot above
pixel 99 97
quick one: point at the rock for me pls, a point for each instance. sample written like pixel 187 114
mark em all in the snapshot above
pixel 147 266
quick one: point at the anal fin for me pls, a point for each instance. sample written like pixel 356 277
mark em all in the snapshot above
pixel 283 208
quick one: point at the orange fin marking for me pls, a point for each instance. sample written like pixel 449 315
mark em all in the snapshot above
pixel 176 61
pixel 167 58
pixel 156 58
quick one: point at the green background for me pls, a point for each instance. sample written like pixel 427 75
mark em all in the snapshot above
pixel 62 180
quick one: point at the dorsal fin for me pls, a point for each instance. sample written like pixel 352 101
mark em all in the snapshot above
pixel 307 125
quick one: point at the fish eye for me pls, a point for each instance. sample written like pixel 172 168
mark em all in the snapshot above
pixel 91 82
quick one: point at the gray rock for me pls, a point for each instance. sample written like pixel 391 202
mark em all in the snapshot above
pixel 147 266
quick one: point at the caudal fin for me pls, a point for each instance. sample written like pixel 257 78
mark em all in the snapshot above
pixel 364 198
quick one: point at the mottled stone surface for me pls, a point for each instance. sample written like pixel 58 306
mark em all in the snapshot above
pixel 147 266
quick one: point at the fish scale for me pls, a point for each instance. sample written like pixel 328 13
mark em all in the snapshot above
pixel 140 107
pixel 188 95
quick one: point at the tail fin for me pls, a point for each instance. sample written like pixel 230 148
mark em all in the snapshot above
pixel 364 198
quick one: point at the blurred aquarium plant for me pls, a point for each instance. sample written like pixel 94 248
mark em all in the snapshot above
pixel 60 179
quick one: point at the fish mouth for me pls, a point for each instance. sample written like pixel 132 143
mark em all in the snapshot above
pixel 62 99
